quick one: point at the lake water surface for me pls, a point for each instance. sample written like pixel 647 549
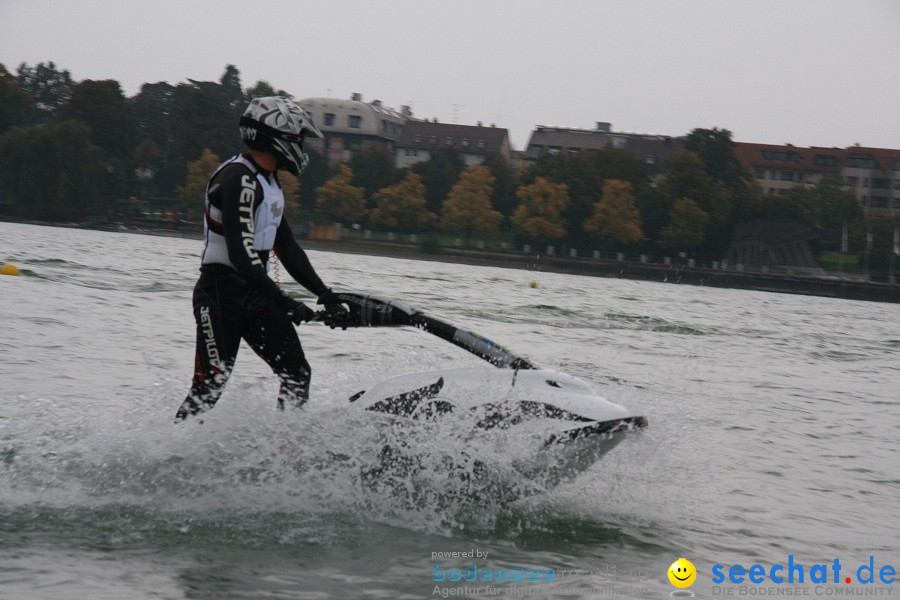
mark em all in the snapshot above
pixel 774 432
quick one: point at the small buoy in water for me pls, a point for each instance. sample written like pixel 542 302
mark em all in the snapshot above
pixel 533 283
pixel 8 269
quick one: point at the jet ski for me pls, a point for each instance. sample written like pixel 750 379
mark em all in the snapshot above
pixel 567 425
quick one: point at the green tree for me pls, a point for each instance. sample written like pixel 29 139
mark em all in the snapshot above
pixel 290 186
pixel 145 161
pixel 686 177
pixel 716 149
pixel 153 109
pixel 339 199
pixel 51 172
pixel 263 88
pixel 616 219
pixel 14 102
pixel 584 174
pixel 468 205
pixel 48 88
pixel 316 174
pixel 201 118
pixel 104 108
pixel 146 154
pixel 192 193
pixel 833 206
pixel 373 169
pixel 538 216
pixel 794 204
pixel 231 89
pixel 654 209
pixel 685 229
pixel 882 231
pixel 439 173
pixel 403 206
pixel 506 183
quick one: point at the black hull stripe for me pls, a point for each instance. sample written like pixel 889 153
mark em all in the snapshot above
pixel 601 428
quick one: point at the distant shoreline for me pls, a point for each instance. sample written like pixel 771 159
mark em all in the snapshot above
pixel 824 286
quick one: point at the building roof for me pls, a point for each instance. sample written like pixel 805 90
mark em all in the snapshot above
pixel 653 149
pixel 595 139
pixel 469 139
pixel 583 139
pixel 375 118
pixel 786 156
pixel 815 158
pixel 885 158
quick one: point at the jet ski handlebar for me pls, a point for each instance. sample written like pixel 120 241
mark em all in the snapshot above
pixel 373 311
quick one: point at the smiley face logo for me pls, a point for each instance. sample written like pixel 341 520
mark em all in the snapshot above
pixel 682 573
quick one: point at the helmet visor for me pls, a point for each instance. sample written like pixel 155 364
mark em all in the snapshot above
pixel 294 138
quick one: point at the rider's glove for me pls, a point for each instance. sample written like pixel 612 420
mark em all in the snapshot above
pixel 301 313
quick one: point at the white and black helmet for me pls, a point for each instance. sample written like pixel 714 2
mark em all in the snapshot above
pixel 276 124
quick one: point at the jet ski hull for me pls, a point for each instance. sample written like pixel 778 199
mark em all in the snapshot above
pixel 555 423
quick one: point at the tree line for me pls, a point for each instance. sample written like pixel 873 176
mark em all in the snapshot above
pixel 74 150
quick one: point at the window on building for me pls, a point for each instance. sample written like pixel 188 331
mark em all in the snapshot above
pixel 897 184
pixel 553 150
pixel 572 150
pixel 618 142
pixel 787 175
pixel 329 119
pixel 417 138
pixel 433 139
pixel 465 142
pixel 650 159
pixel 879 202
pixel 896 166
pixel 351 144
pixel 825 160
pixel 881 183
pixel 535 150
pixel 782 155
pixel 354 121
pixel 480 143
pixel 448 140
pixel 895 203
pixel 861 162
pixel 760 173
pixel 851 181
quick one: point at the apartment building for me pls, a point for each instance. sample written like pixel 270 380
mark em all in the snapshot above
pixel 353 125
pixel 474 143
pixel 653 149
pixel 872 173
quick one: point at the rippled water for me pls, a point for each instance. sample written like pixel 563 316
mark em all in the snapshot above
pixel 774 426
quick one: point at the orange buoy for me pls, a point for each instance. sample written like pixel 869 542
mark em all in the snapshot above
pixel 9 269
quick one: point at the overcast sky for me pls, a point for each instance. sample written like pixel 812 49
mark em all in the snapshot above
pixel 806 72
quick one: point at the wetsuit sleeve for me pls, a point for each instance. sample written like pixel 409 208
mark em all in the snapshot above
pixel 294 259
pixel 239 193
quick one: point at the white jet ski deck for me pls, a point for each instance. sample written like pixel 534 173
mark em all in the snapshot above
pixel 569 425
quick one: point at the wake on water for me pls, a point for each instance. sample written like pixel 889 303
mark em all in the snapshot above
pixel 247 463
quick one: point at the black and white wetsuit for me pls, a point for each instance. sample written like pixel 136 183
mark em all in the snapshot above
pixel 234 298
